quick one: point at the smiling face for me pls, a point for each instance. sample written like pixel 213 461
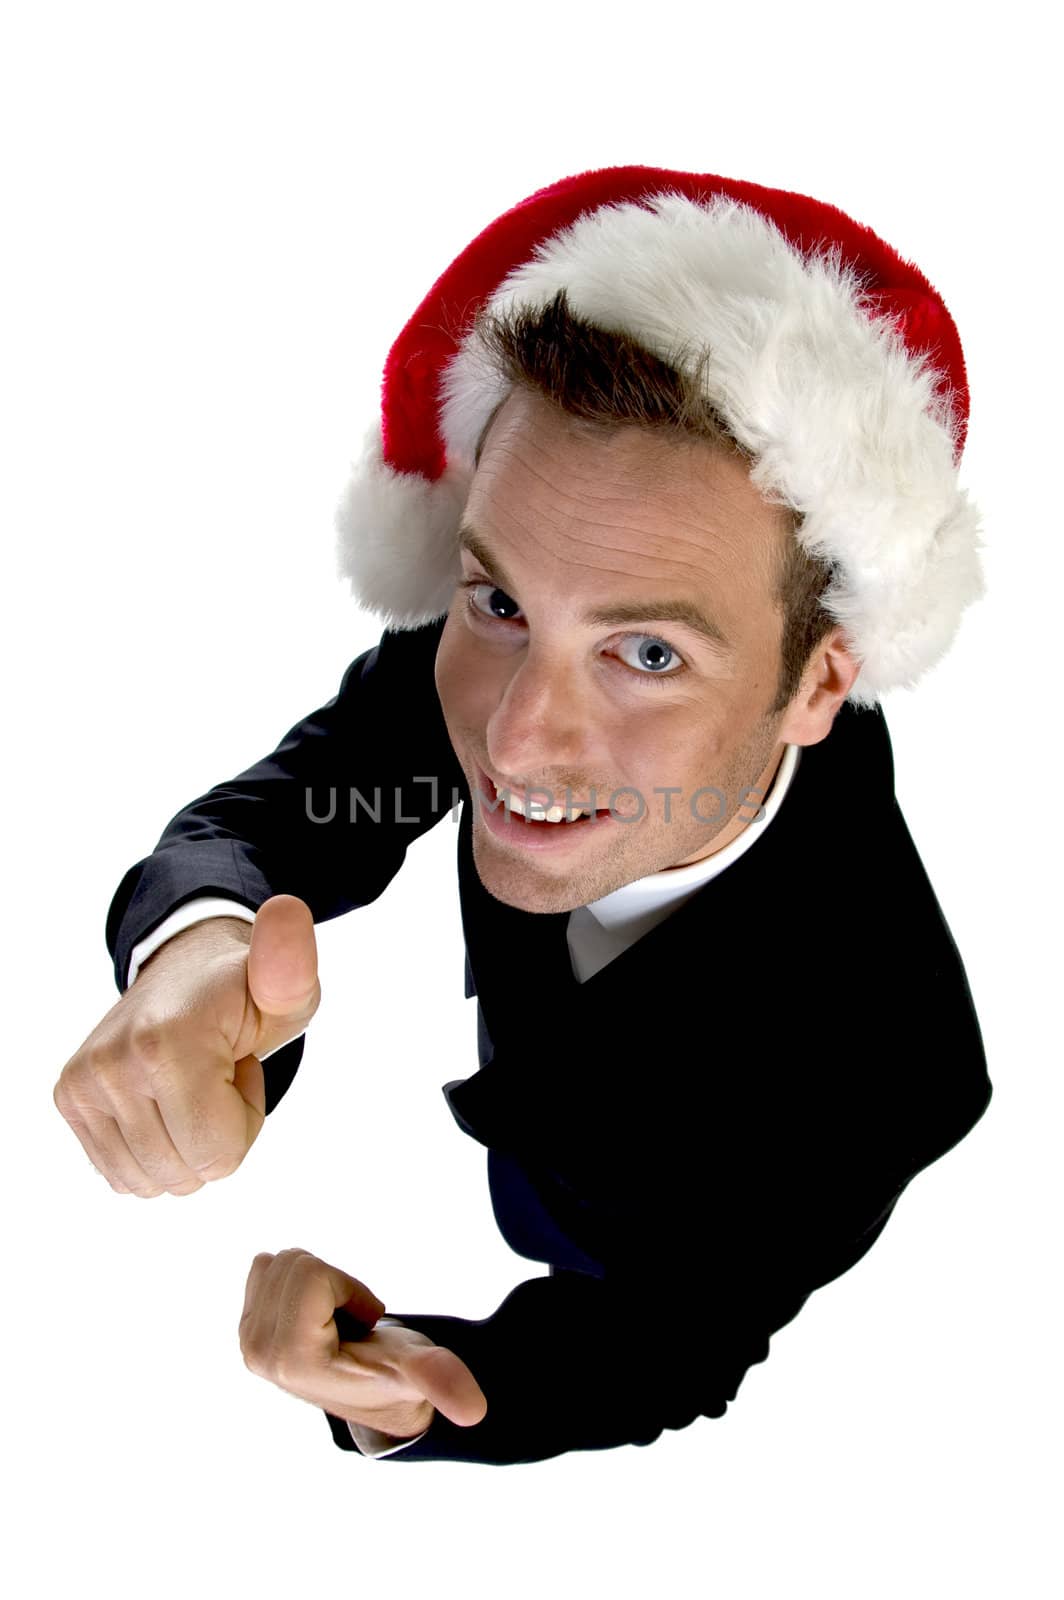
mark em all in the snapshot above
pixel 543 695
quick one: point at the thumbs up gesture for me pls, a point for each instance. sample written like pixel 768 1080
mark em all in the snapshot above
pixel 167 1092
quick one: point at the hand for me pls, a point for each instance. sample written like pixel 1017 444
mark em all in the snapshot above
pixel 167 1092
pixel 394 1379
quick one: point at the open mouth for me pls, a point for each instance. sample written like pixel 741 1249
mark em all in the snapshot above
pixel 504 819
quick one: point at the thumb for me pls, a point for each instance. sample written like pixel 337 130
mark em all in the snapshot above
pixel 445 1380
pixel 282 970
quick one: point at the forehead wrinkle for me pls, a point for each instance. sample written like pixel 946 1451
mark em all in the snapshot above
pixel 645 475
pixel 559 521
pixel 652 474
pixel 731 540
pixel 507 448
pixel 470 540
pixel 652 471
pixel 709 544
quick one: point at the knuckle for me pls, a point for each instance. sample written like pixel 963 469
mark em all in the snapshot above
pixel 100 1064
pixel 222 1166
pixel 252 1357
pixel 65 1084
pixel 148 1040
pixel 285 1371
pixel 182 1189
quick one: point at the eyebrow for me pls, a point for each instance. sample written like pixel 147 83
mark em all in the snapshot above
pixel 684 612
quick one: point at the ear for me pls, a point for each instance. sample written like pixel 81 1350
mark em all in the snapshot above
pixel 827 680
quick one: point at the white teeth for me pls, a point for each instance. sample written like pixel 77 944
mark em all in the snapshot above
pixel 538 814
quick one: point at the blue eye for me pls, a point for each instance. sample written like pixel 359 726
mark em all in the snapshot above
pixel 651 645
pixel 472 584
pixel 654 647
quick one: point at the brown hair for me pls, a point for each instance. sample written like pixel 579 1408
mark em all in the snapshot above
pixel 607 379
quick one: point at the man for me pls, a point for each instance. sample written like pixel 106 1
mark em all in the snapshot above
pixel 662 500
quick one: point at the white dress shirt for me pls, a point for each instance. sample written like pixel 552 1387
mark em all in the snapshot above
pixel 597 933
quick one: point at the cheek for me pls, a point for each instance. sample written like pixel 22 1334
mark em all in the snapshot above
pixel 676 744
pixel 684 751
pixel 463 678
pixel 445 669
pixel 651 754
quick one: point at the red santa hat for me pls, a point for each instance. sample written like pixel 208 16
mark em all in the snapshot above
pixel 832 360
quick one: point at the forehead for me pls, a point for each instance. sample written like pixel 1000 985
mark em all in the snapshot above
pixel 651 503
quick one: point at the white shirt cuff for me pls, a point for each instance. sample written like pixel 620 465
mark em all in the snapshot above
pixel 186 916
pixel 375 1444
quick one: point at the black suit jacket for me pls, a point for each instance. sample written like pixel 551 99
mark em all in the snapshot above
pixel 718 1122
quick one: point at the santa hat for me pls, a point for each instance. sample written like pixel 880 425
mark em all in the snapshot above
pixel 832 360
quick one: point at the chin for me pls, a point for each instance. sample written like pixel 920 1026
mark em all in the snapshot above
pixel 535 905
pixel 524 889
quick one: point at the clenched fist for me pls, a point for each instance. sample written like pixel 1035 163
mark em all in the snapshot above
pixel 393 1379
pixel 167 1092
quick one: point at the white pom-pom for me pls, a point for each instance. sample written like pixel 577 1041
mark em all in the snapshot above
pixel 397 538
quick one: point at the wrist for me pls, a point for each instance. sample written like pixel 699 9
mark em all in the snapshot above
pixel 406 1426
pixel 373 1437
pixel 210 934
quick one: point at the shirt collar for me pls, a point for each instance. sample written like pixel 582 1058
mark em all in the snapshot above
pixel 659 892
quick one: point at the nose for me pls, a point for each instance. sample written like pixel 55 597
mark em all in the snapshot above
pixel 540 722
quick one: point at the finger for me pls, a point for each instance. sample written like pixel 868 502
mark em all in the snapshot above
pixel 251 1315
pixel 96 1156
pixel 207 1118
pixel 256 1274
pixel 445 1380
pixel 148 1141
pixel 307 1292
pixel 269 1326
pixel 249 1081
pixel 340 1289
pixel 113 1156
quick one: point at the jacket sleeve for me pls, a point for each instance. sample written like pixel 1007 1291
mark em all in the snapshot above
pixel 570 1362
pixel 327 816
pixel 576 1362
pixel 715 1259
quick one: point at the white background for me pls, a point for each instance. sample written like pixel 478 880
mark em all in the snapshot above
pixel 216 220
